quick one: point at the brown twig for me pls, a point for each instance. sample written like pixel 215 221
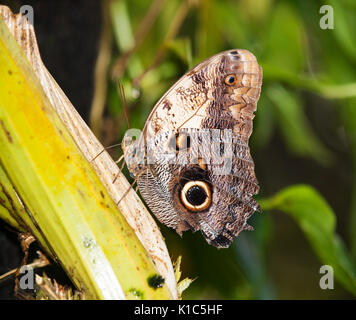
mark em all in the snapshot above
pixel 172 32
pixel 26 240
pixel 140 34
pixel 40 262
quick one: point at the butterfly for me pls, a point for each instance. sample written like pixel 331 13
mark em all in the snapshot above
pixel 192 161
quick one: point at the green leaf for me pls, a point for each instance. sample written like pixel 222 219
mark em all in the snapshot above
pixel 123 34
pixel 317 220
pixel 348 115
pixel 264 123
pixel 230 23
pixel 183 49
pixel 285 24
pixel 209 37
pixel 344 26
pixel 336 86
pixel 296 129
pixel 251 250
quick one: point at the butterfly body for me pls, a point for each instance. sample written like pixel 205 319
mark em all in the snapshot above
pixel 195 170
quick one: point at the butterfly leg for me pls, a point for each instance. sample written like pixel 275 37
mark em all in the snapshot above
pixel 121 168
pixel 127 191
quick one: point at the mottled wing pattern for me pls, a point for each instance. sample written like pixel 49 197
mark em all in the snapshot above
pixel 220 93
pixel 188 101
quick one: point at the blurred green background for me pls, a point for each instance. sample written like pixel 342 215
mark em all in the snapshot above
pixel 304 139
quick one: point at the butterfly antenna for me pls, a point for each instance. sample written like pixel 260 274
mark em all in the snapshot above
pixel 123 99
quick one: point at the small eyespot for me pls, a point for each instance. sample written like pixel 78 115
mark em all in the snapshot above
pixel 182 141
pixel 179 142
pixel 202 164
pixel 230 79
pixel 196 195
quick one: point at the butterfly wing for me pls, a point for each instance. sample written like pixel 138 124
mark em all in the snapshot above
pixel 186 104
pixel 220 93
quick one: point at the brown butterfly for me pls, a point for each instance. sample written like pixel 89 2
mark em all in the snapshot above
pixel 192 161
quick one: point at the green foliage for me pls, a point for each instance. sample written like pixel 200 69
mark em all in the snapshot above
pixel 295 126
pixel 317 220
pixel 285 24
pixel 308 102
